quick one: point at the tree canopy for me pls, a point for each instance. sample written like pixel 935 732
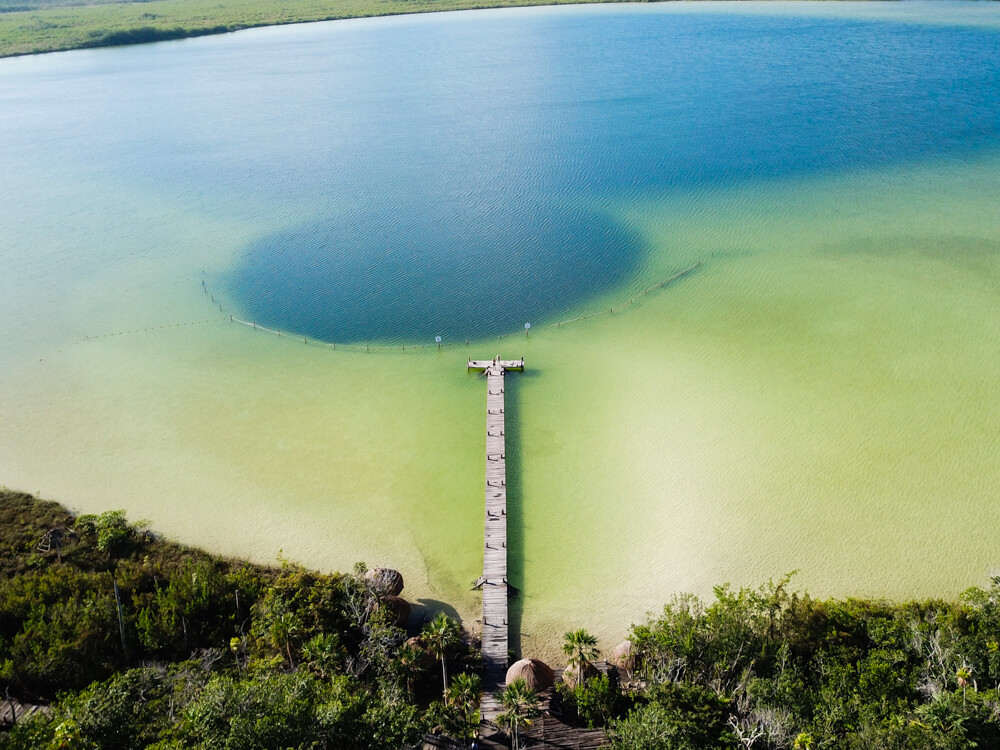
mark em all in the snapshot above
pixel 219 653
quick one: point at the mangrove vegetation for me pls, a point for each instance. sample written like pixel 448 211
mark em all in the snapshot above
pixel 121 639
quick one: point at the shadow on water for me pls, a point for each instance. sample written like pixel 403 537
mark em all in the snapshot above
pixel 516 529
pixel 425 610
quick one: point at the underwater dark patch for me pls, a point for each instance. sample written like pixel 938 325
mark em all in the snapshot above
pixel 451 179
pixel 378 277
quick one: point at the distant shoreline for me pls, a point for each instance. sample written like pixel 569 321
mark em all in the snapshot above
pixel 72 26
pixel 59 26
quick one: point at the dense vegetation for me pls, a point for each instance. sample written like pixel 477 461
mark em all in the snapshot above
pixel 212 653
pixel 769 668
pixel 31 26
pixel 773 669
pixel 207 652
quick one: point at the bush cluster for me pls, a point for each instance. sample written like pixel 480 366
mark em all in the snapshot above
pixel 137 642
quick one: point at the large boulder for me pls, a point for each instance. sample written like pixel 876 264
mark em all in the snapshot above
pixel 399 607
pixel 426 658
pixel 579 674
pixel 537 674
pixel 623 657
pixel 385 581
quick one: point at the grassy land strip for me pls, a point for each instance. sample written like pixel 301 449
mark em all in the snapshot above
pixel 102 25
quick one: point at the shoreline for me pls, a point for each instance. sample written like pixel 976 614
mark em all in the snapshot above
pixel 311 414
pixel 113 632
pixel 110 25
pixel 80 26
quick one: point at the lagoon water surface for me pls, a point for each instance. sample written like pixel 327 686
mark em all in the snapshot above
pixel 823 394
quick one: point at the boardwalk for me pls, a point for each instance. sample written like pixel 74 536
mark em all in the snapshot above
pixel 553 731
pixel 494 578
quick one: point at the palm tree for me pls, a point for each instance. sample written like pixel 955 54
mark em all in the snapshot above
pixel 520 705
pixel 238 645
pixel 409 663
pixel 283 628
pixel 440 635
pixel 964 677
pixel 322 653
pixel 464 693
pixel 581 648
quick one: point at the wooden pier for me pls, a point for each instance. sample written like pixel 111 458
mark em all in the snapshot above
pixel 494 579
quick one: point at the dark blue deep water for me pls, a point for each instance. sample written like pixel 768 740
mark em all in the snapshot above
pixel 465 158
pixel 434 272
pixel 460 174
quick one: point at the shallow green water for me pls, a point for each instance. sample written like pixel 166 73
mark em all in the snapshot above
pixel 821 395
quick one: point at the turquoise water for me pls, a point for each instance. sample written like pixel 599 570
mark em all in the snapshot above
pixel 460 187
pixel 821 395
pixel 459 202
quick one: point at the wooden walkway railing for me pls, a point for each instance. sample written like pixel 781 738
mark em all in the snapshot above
pixel 494 579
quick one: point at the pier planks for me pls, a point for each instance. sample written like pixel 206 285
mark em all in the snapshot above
pixel 495 644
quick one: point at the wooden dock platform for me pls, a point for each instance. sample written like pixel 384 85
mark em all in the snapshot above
pixel 495 644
